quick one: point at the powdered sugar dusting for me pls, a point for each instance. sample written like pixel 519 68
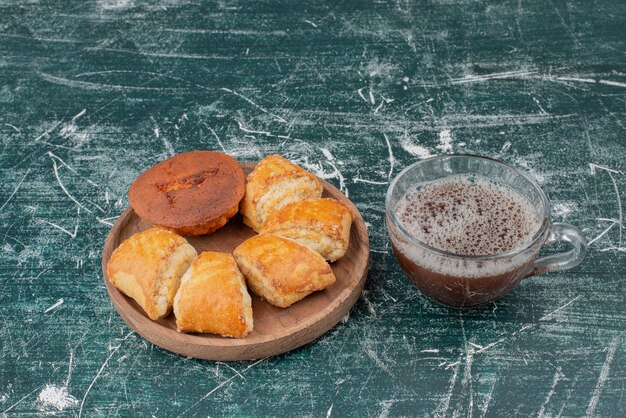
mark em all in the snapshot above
pixel 445 141
pixel 56 397
pixel 563 209
pixel 414 149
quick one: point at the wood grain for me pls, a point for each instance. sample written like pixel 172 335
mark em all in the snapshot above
pixel 276 330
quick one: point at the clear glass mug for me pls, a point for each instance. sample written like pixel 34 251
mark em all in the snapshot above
pixel 466 280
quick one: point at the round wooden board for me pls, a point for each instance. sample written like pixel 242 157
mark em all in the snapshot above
pixel 276 330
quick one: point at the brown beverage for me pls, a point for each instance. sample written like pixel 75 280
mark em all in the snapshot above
pixel 466 216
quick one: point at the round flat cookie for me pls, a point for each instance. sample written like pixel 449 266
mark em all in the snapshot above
pixel 193 193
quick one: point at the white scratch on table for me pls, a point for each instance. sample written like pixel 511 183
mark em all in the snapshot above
pixel 485 407
pixel 70 131
pixel 262 109
pixel 13 238
pixel 71 234
pixel 15 190
pixel 492 76
pixel 230 31
pixel 382 103
pixel 555 380
pixel 591 81
pixel 69 367
pixel 593 167
pixel 231 368
pixel 48 131
pixel 106 361
pixel 515 333
pixel 610 172
pixel 614 248
pixel 612 83
pixel 21 400
pixel 559 309
pixel 166 143
pixel 250 131
pixel 360 92
pixel 567 398
pixel 314 25
pixel 219 142
pixel 87 85
pixel 578 79
pixel 604 375
pixel 478 346
pixel 79 114
pixel 56 305
pixel 372 99
pixel 368 303
pixel 56 174
pixel 467 384
pixel 373 355
pixel 360 180
pixel 105 221
pixel 161 55
pixel 430 350
pixel 386 408
pixel 442 408
pixel 216 388
pixel 539 105
pixel 606 231
pixel 63 163
pixel 12 126
pixel 330 160
pixel 330 410
pixel 115 4
pixel 565 25
pixel 390 157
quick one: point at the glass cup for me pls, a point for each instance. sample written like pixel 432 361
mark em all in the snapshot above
pixel 468 280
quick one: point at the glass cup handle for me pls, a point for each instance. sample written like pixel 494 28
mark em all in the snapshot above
pixel 562 232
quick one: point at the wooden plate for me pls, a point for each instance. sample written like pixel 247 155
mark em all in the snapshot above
pixel 276 330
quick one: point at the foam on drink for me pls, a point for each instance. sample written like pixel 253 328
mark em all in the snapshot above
pixel 469 218
pixel 468 215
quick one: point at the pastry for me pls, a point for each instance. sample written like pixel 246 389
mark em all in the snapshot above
pixel 148 266
pixel 192 193
pixel 274 183
pixel 213 298
pixel 320 224
pixel 280 270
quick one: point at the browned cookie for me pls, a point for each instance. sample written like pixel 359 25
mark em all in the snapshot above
pixel 192 193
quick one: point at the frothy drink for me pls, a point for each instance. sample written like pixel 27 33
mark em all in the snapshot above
pixel 465 216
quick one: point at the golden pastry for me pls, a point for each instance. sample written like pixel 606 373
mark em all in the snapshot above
pixel 320 224
pixel 148 266
pixel 274 183
pixel 280 270
pixel 213 298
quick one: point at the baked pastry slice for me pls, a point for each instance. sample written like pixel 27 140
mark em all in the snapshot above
pixel 280 270
pixel 213 298
pixel 320 224
pixel 148 266
pixel 192 193
pixel 274 183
